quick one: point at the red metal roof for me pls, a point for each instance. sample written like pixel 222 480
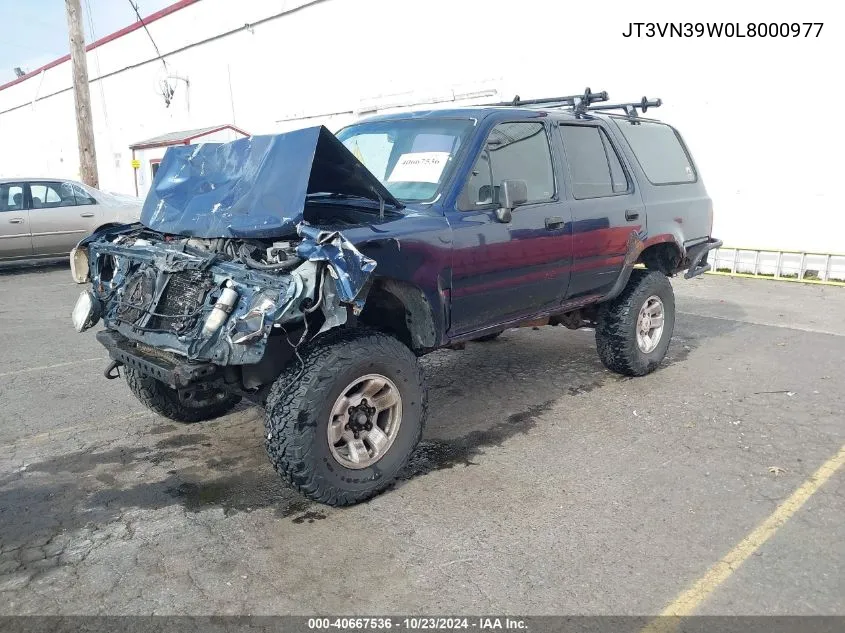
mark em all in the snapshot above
pixel 181 4
pixel 183 138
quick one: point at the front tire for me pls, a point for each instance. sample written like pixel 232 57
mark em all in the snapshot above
pixel 342 424
pixel 165 400
pixel 634 329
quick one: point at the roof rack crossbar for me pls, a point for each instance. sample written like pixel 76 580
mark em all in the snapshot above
pixel 583 103
pixel 630 108
pixel 586 97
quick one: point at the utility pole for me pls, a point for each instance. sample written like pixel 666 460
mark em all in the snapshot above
pixel 82 96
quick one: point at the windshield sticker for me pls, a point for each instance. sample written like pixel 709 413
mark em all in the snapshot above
pixel 419 167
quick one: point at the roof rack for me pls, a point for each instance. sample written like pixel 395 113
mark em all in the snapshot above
pixel 630 108
pixel 583 103
pixel 586 98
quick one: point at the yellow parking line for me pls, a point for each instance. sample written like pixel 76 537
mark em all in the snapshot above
pixel 68 364
pixel 686 603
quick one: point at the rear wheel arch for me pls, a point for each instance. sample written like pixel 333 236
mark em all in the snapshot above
pixel 665 257
pixel 619 320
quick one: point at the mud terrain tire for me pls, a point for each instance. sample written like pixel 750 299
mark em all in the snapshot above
pixel 618 320
pixel 488 337
pixel 165 401
pixel 301 404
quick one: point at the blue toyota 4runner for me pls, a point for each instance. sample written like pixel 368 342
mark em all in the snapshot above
pixel 307 272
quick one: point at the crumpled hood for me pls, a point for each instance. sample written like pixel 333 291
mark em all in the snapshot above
pixel 253 187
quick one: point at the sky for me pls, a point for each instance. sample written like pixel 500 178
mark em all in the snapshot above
pixel 34 32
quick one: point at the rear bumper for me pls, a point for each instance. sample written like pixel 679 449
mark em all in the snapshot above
pixel 163 366
pixel 698 257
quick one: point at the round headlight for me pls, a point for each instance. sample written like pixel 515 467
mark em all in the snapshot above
pixel 79 265
pixel 86 312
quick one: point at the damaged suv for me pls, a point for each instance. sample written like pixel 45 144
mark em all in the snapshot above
pixel 307 272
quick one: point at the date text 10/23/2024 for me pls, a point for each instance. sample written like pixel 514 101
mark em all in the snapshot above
pixel 482 623
pixel 723 29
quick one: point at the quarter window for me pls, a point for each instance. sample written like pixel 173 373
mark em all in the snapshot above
pixel 659 150
pixel 82 197
pixel 514 151
pixel 594 165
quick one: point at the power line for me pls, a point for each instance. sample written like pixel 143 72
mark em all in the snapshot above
pixel 165 89
pixel 90 15
pixel 144 24
pixel 176 51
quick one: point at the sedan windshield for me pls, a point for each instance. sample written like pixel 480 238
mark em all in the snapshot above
pixel 411 157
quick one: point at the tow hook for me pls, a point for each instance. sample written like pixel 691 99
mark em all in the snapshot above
pixel 111 371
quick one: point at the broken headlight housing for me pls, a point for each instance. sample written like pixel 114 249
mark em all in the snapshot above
pixel 79 267
pixel 86 312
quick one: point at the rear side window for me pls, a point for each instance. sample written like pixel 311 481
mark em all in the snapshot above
pixel 594 166
pixel 660 152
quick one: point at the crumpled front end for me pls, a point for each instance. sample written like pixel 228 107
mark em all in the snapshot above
pixel 217 300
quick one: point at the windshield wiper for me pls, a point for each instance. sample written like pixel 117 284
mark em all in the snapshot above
pixel 376 198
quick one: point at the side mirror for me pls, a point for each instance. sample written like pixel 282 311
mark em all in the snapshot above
pixel 512 193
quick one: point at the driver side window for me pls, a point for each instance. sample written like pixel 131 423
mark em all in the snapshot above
pixel 514 151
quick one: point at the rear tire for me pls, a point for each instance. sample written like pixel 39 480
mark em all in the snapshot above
pixel 165 400
pixel 312 404
pixel 488 337
pixel 627 336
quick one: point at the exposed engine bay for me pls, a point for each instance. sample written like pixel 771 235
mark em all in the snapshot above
pixel 239 250
pixel 218 300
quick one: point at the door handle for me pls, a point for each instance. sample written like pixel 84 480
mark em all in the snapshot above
pixel 554 223
pixel 16 221
pixel 86 215
pixel 631 214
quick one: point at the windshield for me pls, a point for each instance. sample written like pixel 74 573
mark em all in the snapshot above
pixel 411 157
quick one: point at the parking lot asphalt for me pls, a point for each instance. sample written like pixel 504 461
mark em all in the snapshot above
pixel 544 483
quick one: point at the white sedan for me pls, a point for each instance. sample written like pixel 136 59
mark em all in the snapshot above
pixel 46 217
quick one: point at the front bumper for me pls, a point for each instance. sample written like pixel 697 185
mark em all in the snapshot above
pixel 166 367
